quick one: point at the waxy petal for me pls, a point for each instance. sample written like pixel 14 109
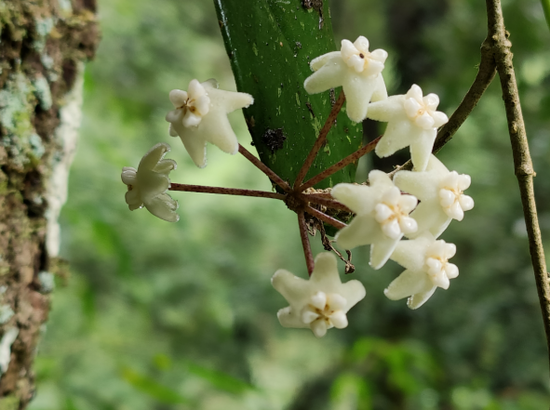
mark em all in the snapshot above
pixel 320 302
pixel 205 119
pixel 355 69
pixel 148 184
pixel 339 319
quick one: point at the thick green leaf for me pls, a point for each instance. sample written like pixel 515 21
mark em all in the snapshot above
pixel 270 44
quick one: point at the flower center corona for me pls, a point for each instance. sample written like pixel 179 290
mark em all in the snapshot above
pixel 392 213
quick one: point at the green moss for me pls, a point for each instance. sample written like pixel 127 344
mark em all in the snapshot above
pixel 9 403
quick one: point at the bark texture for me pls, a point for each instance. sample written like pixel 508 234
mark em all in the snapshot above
pixel 43 44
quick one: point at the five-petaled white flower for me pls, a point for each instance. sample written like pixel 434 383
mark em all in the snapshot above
pixel 354 68
pixel 319 303
pixel 427 268
pixel 200 116
pixel 382 216
pixel 441 195
pixel 148 184
pixel 412 121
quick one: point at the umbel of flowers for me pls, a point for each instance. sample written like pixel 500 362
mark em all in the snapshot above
pixel 400 219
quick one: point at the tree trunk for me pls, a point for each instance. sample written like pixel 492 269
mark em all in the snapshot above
pixel 43 46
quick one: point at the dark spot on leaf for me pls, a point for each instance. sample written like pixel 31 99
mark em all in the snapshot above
pixel 308 105
pixel 317 5
pixel 274 139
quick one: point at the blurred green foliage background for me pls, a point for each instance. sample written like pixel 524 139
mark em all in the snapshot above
pixel 182 316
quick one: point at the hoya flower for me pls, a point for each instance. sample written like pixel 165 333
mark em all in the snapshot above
pixel 200 116
pixel 354 68
pixel 427 267
pixel 441 195
pixel 412 122
pixel 148 184
pixel 382 216
pixel 319 303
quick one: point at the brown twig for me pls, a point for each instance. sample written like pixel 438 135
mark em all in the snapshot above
pixel 305 242
pixel 500 45
pixel 265 169
pixel 321 139
pixel 225 191
pixel 340 164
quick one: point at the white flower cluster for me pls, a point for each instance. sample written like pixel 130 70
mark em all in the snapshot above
pixel 199 116
pixel 417 205
pixel 401 219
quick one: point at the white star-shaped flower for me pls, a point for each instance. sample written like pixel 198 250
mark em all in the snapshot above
pixel 427 267
pixel 319 303
pixel 148 184
pixel 200 116
pixel 354 68
pixel 441 195
pixel 412 121
pixel 382 216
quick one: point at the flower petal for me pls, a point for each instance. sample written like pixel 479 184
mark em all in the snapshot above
pixel 319 328
pixel 408 283
pixel 319 300
pixel 339 319
pixel 417 300
pixel 178 97
pixel 129 176
pixel 164 207
pixel 309 315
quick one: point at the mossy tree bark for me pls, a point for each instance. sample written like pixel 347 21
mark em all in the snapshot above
pixel 43 45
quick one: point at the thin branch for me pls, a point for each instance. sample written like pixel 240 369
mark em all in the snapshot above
pixel 265 169
pixel 340 164
pixel 225 191
pixel 321 139
pixel 522 159
pixel 305 242
pixel 325 218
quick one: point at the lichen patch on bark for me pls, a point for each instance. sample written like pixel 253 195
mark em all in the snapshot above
pixel 42 46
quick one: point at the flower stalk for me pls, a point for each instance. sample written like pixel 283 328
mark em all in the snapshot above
pixel 225 191
pixel 320 141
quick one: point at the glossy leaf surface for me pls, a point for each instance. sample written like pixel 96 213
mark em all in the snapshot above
pixel 270 44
